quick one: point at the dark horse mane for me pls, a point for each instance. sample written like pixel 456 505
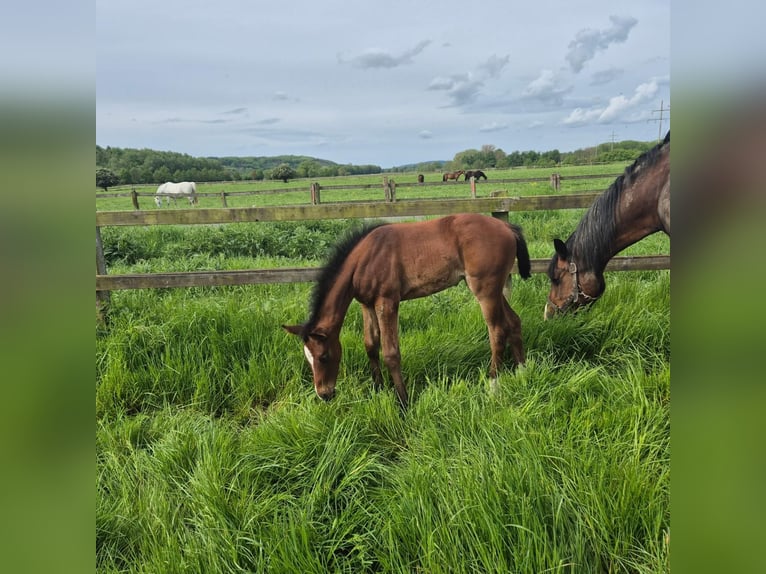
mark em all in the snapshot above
pixel 330 270
pixel 591 240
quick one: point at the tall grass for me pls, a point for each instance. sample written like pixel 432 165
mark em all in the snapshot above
pixel 214 454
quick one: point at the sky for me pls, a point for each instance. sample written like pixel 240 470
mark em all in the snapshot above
pixel 379 82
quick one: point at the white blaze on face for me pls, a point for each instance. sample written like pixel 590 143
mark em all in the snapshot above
pixel 309 356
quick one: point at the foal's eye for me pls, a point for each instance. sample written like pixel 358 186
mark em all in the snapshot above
pixel 324 357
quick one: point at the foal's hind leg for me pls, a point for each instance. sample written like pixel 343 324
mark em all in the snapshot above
pixel 372 344
pixel 513 323
pixel 503 325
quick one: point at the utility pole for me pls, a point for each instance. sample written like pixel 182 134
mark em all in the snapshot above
pixel 661 110
pixel 612 146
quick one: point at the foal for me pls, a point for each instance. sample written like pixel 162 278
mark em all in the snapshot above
pixel 384 265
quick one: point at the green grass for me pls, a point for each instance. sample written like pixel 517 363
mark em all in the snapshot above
pixel 214 454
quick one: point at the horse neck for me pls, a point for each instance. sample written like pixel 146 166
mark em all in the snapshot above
pixel 331 313
pixel 631 216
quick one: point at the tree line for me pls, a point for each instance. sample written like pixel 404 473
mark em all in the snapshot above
pixel 128 166
pixel 116 166
pixel 490 156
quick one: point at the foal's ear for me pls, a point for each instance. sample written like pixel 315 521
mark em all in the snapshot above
pixel 294 329
pixel 561 248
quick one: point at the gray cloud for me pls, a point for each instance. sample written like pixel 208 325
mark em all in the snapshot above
pixel 235 112
pixel 546 89
pixel 493 66
pixel 588 41
pixel 493 127
pixel 462 89
pixel 372 59
pixel 425 135
pixel 605 76
pixel 267 121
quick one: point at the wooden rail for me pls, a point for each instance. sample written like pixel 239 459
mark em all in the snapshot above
pixel 497 206
pixel 308 274
pixel 355 210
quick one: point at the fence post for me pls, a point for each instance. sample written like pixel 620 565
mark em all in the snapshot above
pixel 386 191
pixel 315 199
pixel 223 198
pixel 501 215
pixel 103 298
pixel 556 181
pixel 391 190
pixel 473 187
pixel 134 198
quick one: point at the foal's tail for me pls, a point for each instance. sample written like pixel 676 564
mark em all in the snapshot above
pixel 522 253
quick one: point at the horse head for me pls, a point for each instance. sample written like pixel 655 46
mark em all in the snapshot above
pixel 323 352
pixel 571 288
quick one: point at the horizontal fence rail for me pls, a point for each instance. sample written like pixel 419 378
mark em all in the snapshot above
pixel 497 206
pixel 355 210
pixel 308 274
pixel 395 176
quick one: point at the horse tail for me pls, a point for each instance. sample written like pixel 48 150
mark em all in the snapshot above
pixel 522 253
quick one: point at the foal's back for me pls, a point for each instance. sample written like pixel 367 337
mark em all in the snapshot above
pixel 409 260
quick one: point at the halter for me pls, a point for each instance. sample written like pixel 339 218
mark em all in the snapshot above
pixel 577 291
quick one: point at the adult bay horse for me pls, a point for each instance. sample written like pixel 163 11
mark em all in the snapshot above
pixel 175 190
pixel 453 175
pixel 477 173
pixel 383 265
pixel 637 204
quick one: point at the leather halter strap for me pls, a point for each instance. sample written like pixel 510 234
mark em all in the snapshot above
pixel 577 291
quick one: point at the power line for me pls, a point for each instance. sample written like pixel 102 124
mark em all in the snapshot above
pixel 661 111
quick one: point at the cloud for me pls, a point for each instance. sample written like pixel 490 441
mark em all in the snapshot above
pixel 425 135
pixel 267 121
pixel 493 66
pixel 462 89
pixel 493 127
pixel 619 108
pixel 281 96
pixel 235 112
pixel 372 59
pixel 546 89
pixel 605 76
pixel 588 41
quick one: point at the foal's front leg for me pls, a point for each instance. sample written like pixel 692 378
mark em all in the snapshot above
pixel 387 311
pixel 372 344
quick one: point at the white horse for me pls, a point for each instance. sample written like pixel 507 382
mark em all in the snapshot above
pixel 176 190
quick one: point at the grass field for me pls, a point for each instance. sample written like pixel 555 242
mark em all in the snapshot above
pixel 214 455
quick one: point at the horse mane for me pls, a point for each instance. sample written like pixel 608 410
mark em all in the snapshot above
pixel 591 241
pixel 330 270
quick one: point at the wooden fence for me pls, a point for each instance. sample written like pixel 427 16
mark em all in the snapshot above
pixel 497 206
pixel 388 186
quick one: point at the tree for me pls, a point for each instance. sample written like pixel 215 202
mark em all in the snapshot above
pixel 106 178
pixel 283 172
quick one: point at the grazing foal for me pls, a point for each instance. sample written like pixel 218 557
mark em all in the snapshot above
pixel 384 265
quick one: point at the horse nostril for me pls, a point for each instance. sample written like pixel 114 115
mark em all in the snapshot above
pixel 326 395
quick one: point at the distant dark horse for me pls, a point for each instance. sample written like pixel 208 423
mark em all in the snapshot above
pixel 477 173
pixel 384 265
pixel 637 204
pixel 453 175
pixel 421 179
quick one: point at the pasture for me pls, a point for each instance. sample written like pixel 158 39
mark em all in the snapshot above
pixel 214 454
pixel 264 191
